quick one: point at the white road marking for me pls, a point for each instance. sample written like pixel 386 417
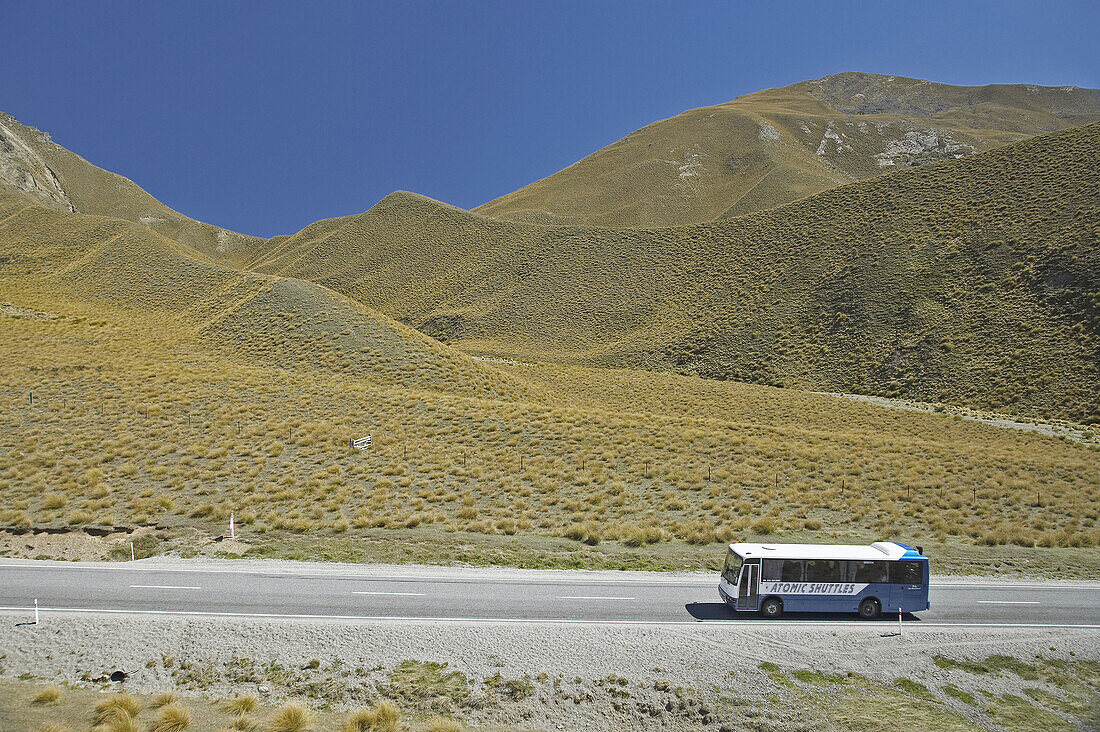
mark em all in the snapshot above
pixel 323 575
pixel 164 587
pixel 407 594
pixel 663 581
pixel 550 621
pixel 594 597
pixel 1008 602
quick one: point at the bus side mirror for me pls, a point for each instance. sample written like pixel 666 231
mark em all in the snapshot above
pixel 920 550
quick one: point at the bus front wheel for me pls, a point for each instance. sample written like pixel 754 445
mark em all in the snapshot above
pixel 771 608
pixel 869 608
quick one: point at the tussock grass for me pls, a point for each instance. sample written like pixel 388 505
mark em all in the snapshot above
pixel 48 695
pixel 163 700
pixel 291 718
pixel 117 711
pixel 241 704
pixel 171 718
pixel 381 717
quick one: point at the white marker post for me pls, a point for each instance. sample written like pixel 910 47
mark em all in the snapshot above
pixel 36 611
pixel 232 534
pixel 899 622
pixel 132 558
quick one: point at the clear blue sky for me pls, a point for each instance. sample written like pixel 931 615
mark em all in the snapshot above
pixel 265 116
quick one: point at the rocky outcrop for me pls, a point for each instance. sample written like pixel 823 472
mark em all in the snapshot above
pixel 22 169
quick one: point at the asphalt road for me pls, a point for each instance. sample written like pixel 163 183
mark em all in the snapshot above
pixel 445 595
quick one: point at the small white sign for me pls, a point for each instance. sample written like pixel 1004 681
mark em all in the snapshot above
pixel 360 444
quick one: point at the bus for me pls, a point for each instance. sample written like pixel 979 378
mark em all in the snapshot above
pixel 869 580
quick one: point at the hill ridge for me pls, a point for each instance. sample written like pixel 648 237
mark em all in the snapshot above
pixel 708 298
pixel 29 156
pixel 773 146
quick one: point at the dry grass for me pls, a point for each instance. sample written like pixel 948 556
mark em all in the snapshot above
pixel 442 724
pixel 291 718
pixel 48 695
pixel 241 704
pixel 170 390
pixel 964 282
pixel 607 455
pixel 171 718
pixel 162 700
pixel 117 711
pixel 381 717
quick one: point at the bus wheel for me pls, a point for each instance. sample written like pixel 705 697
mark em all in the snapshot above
pixel 771 608
pixel 869 608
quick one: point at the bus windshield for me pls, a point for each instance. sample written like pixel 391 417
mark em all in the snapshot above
pixel 732 568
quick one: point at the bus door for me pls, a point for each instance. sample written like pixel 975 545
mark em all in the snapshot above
pixel 748 586
pixel 910 593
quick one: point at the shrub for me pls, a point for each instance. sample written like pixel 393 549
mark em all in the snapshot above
pixel 172 718
pixel 162 700
pixel 292 718
pixel 48 695
pixel 587 532
pixel 240 704
pixel 382 717
pixel 117 707
pixel 764 526
pixel 54 500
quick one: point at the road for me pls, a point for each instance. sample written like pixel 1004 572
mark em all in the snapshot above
pixel 511 595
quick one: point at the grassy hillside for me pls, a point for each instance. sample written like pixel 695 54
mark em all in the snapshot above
pixel 145 383
pixel 54 177
pixel 769 148
pixel 51 259
pixel 971 281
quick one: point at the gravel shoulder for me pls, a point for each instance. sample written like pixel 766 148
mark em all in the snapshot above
pixel 565 667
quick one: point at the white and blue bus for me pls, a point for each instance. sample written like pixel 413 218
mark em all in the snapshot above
pixel 772 578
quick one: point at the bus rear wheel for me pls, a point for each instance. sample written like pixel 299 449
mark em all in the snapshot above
pixel 869 609
pixel 771 608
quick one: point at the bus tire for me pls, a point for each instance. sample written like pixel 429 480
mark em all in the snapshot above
pixel 870 608
pixel 772 607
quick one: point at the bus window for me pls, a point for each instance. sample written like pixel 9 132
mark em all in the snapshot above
pixel 772 570
pixel 732 568
pixel 871 572
pixel 792 570
pixel 822 570
pixel 907 573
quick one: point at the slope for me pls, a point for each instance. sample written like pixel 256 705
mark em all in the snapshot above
pixel 969 281
pixel 775 146
pixel 54 177
pixel 125 273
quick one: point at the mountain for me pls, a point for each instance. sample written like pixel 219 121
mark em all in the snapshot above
pixel 775 146
pixel 51 258
pixel 30 162
pixel 970 281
